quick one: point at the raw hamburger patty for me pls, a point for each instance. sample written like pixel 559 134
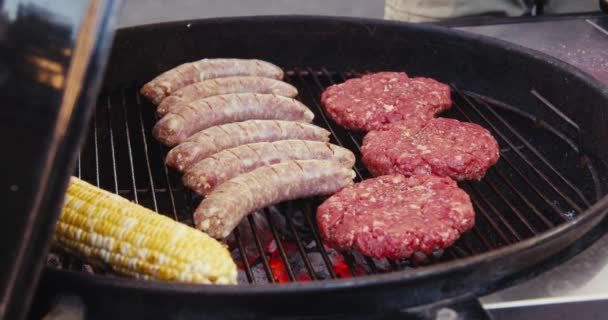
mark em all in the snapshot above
pixel 370 102
pixel 394 216
pixel 443 147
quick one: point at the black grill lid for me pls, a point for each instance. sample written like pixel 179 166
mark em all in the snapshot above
pixel 51 55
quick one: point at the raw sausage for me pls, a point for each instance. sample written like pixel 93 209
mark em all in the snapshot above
pixel 214 87
pixel 205 69
pixel 192 117
pixel 218 138
pixel 221 211
pixel 222 166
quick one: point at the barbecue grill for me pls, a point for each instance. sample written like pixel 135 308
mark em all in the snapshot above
pixel 544 201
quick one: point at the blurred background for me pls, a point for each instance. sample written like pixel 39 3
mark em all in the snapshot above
pixel 136 12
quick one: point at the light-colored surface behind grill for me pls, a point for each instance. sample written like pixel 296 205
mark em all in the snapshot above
pixel 136 12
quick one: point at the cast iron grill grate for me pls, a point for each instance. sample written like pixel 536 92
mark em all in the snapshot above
pixel 541 180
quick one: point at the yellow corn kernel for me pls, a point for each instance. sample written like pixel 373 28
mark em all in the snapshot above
pixel 108 230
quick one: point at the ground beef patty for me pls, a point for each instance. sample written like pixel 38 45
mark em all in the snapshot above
pixel 395 216
pixel 369 102
pixel 443 147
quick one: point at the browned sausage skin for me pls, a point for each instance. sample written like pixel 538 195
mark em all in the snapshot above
pixel 225 165
pixel 218 138
pixel 188 73
pixel 214 87
pixel 190 118
pixel 221 211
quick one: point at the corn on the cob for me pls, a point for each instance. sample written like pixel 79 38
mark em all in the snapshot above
pixel 106 229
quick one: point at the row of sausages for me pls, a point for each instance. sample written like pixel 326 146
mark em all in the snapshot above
pixel 241 140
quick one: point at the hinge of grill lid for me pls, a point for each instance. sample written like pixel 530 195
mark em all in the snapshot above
pixel 51 58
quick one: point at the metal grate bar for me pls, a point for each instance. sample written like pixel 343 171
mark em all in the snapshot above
pixel 146 152
pixel 530 147
pixel 299 79
pixel 190 199
pixel 511 206
pixel 455 249
pixel 372 265
pixel 258 244
pixel 564 117
pixel 536 190
pixel 529 204
pixel 537 122
pixel 467 245
pixel 489 204
pixel 350 263
pixel 521 155
pixel 112 148
pixel 435 257
pixel 147 190
pixel 128 138
pixel 239 243
pixel 307 264
pixel 320 245
pixel 486 215
pixel 483 239
pixel 512 187
pixel 321 110
pixel 164 169
pixel 542 175
pixel 558 113
pixel 79 172
pixel 96 149
pixel 279 243
pixel 451 253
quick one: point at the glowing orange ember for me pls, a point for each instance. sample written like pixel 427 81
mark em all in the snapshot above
pixel 279 273
pixel 341 268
